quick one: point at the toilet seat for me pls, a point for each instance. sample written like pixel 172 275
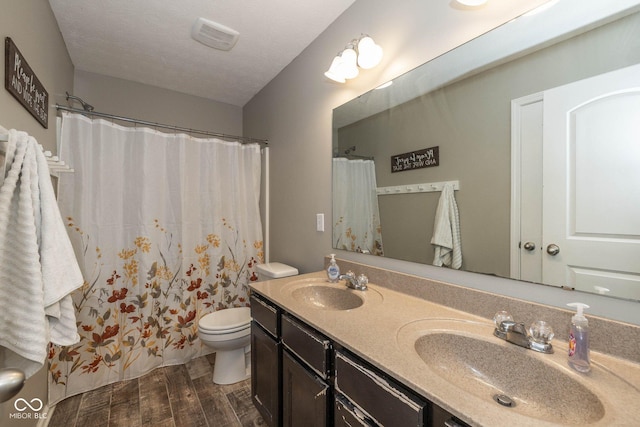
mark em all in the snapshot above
pixel 226 321
pixel 224 332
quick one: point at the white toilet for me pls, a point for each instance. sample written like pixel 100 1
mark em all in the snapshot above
pixel 228 332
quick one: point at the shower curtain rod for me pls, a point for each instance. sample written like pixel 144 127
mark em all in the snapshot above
pixel 243 139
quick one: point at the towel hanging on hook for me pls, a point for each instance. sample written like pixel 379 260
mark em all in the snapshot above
pixel 446 231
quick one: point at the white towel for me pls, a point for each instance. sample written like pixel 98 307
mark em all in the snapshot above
pixel 446 231
pixel 38 268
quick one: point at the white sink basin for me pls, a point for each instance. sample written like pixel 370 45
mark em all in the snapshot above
pixel 511 375
pixel 467 356
pixel 328 298
pixel 322 295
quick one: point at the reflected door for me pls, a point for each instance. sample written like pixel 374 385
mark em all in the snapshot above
pixel 591 179
pixel 526 209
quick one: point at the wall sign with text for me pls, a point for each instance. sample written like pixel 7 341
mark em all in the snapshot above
pixel 22 83
pixel 424 158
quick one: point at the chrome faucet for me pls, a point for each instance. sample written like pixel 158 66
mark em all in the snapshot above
pixel 358 283
pixel 537 338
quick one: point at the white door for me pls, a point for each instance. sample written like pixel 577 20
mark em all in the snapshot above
pixel 591 178
pixel 526 191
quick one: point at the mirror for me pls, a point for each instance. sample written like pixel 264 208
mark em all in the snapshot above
pixel 469 117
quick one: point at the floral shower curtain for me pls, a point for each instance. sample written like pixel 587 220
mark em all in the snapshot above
pixel 166 229
pixel 356 217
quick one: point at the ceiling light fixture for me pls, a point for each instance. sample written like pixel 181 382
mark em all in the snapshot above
pixel 359 53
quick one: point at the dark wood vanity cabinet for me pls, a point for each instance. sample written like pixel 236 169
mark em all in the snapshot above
pixel 304 395
pixel 441 418
pixel 345 414
pixel 300 378
pixel 266 355
pixel 379 399
pixel 305 372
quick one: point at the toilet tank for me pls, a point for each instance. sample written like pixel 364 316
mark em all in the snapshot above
pixel 275 270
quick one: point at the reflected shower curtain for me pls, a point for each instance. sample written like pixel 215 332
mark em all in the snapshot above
pixel 356 217
pixel 166 229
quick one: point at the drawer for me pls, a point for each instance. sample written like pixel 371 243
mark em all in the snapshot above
pixel 345 414
pixel 380 398
pixel 310 346
pixel 265 314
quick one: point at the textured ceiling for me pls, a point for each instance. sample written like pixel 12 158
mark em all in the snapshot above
pixel 149 41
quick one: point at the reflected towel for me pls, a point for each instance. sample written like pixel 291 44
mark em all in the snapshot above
pixel 38 268
pixel 446 231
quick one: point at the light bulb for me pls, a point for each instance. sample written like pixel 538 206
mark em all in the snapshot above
pixel 335 70
pixel 349 63
pixel 369 53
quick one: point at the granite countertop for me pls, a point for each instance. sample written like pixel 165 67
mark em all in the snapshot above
pixel 384 329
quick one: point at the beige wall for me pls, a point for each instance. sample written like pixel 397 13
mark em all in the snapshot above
pixel 137 100
pixel 31 25
pixel 34 30
pixel 294 111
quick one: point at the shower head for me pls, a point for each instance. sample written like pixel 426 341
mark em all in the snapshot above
pixel 85 106
pixel 350 149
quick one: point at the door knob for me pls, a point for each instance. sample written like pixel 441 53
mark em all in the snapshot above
pixel 529 246
pixel 553 249
pixel 11 382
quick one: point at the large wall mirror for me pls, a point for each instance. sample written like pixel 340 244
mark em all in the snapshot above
pixel 536 123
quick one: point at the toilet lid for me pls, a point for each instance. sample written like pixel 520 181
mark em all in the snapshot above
pixel 226 320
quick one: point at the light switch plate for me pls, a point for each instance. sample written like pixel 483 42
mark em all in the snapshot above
pixel 320 222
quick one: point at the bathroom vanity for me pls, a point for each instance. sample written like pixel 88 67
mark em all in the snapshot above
pixel 326 355
pixel 319 382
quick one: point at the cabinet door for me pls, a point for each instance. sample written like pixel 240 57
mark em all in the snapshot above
pixel 265 375
pixel 304 396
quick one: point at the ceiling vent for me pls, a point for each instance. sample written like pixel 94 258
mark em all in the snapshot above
pixel 214 35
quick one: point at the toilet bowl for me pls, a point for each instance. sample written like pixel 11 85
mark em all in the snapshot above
pixel 228 332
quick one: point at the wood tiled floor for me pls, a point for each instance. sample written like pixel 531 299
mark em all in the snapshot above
pixel 173 396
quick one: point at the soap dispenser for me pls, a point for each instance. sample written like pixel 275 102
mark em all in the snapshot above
pixel 333 271
pixel 579 339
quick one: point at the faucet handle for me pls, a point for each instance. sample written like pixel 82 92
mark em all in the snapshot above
pixel 502 316
pixel 541 332
pixel 541 335
pixel 363 280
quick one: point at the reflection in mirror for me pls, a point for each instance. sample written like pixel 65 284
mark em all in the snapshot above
pixel 562 116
